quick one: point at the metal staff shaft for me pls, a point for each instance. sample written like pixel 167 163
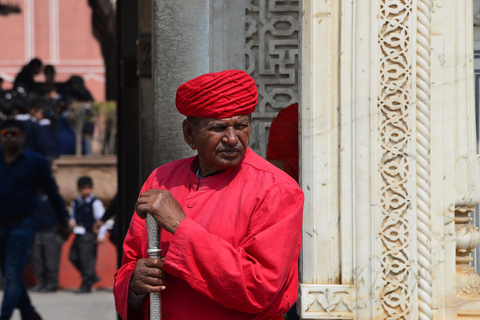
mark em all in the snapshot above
pixel 154 252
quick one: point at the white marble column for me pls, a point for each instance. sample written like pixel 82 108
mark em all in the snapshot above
pixel 389 164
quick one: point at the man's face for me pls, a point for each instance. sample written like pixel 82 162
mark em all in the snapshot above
pixel 12 138
pixel 221 143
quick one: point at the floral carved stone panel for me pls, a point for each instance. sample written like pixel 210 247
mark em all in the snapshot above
pixel 395 107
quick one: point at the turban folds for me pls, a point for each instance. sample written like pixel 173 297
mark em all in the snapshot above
pixel 217 95
pixel 283 139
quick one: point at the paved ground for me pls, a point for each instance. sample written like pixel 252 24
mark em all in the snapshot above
pixel 64 304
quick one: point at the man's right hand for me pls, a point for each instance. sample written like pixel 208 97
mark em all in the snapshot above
pixel 162 206
pixel 148 276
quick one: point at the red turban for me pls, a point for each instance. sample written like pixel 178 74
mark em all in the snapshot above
pixel 283 139
pixel 217 95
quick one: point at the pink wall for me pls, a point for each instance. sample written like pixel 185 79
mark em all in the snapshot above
pixel 58 32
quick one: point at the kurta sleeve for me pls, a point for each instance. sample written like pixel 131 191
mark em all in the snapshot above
pixel 132 251
pixel 134 248
pixel 249 277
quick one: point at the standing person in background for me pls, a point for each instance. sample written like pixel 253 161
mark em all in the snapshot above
pixel 49 72
pixel 86 209
pixel 22 173
pixel 47 247
pixel 25 80
pixel 49 130
pixel 74 89
pixel 230 221
pixel 66 132
pixel 49 87
pixel 22 112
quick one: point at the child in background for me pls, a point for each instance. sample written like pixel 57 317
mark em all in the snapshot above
pixel 85 210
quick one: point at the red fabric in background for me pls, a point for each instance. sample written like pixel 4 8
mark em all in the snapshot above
pixel 217 95
pixel 283 139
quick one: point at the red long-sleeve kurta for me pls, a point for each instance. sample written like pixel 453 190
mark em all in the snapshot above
pixel 235 255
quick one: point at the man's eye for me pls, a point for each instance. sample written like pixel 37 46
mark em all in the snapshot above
pixel 241 126
pixel 218 129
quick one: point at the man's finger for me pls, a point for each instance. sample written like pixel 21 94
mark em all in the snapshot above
pixel 139 211
pixel 153 281
pixel 154 288
pixel 153 263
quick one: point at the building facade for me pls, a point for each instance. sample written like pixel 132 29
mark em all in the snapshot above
pixel 59 32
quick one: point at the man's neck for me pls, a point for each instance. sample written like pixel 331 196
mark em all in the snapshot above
pixel 10 155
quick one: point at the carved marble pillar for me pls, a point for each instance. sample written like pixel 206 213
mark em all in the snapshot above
pixel 467 235
pixel 386 115
pixel 468 238
pixel 360 258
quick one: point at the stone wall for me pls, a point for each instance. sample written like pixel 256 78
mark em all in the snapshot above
pixel 102 170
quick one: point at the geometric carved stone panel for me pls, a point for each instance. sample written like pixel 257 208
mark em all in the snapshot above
pixel 272 44
pixel 328 301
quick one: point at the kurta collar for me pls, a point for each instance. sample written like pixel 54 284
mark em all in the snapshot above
pixel 216 181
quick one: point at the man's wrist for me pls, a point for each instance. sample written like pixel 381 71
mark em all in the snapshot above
pixel 135 300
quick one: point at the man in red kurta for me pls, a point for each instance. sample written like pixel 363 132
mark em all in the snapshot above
pixel 230 221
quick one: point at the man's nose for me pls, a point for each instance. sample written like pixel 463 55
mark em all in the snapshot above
pixel 230 136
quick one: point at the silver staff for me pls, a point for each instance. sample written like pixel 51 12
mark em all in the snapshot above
pixel 154 252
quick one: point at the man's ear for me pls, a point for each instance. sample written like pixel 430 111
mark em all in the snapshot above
pixel 188 133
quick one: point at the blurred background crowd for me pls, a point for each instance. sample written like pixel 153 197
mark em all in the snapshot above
pixel 60 116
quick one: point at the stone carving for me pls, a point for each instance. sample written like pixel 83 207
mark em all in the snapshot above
pixel 424 224
pixel 394 103
pixel 468 238
pixel 467 235
pixel 329 301
pixel 272 59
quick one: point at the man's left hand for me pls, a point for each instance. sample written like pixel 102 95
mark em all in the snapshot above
pixel 162 206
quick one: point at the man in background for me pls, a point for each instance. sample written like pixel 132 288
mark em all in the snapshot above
pixel 22 173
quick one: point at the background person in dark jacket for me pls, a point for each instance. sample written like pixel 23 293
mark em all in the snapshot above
pixel 47 247
pixel 22 173
pixel 35 140
pixel 25 79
